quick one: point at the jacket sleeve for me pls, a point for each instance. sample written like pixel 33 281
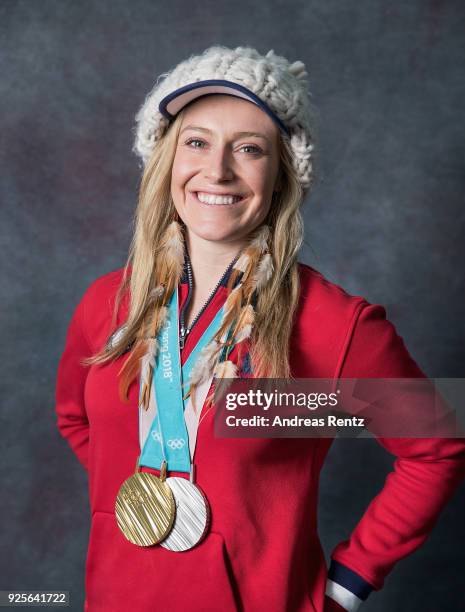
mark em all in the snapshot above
pixel 70 409
pixel 425 475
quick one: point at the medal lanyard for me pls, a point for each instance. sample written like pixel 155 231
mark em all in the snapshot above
pixel 168 429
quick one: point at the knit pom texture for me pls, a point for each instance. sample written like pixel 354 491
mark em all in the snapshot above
pixel 282 85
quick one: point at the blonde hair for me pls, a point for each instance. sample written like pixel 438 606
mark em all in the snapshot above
pixel 276 302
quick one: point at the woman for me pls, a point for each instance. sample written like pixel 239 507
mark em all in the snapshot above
pixel 212 289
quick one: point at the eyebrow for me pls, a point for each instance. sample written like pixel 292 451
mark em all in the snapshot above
pixel 236 134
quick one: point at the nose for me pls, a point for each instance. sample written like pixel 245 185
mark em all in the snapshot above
pixel 218 166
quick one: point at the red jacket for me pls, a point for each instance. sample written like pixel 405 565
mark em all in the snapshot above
pixel 262 551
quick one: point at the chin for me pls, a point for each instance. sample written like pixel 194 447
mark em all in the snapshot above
pixel 215 234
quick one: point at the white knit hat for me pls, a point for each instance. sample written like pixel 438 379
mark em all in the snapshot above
pixel 279 88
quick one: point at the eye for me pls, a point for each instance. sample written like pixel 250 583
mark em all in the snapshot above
pixel 191 140
pixel 256 151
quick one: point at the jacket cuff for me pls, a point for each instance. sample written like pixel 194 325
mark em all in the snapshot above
pixel 346 587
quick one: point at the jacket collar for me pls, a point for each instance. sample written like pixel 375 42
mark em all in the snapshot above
pixel 223 281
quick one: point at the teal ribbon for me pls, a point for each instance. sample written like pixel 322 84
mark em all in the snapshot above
pixel 168 438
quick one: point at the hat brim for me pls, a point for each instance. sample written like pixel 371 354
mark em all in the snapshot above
pixel 171 104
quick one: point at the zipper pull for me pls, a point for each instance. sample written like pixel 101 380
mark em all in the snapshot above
pixel 183 335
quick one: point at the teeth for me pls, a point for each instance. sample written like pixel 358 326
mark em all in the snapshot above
pixel 208 198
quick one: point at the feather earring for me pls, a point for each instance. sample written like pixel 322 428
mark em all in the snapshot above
pixel 155 295
pixel 208 357
pixel 147 362
pixel 244 324
pixel 264 272
pixel 145 381
pixel 232 304
pixel 256 268
pixel 255 277
pixel 173 256
pixel 203 366
pixel 174 249
pixel 242 263
pixel 224 371
pixel 170 258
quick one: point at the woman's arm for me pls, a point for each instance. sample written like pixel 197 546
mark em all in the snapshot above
pixel 72 420
pixel 426 473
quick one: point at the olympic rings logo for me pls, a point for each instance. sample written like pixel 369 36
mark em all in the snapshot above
pixel 156 436
pixel 176 443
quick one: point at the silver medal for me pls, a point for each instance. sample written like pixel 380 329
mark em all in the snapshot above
pixel 192 515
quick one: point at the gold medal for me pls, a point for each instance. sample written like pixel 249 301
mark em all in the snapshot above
pixel 145 508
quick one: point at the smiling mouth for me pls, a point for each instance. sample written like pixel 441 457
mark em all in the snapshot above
pixel 228 204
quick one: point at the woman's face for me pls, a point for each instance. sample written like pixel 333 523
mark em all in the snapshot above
pixel 226 146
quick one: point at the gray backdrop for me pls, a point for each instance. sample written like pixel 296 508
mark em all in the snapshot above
pixel 386 221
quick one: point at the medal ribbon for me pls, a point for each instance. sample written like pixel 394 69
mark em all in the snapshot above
pixel 168 438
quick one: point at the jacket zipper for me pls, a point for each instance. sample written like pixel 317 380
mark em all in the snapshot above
pixel 186 330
